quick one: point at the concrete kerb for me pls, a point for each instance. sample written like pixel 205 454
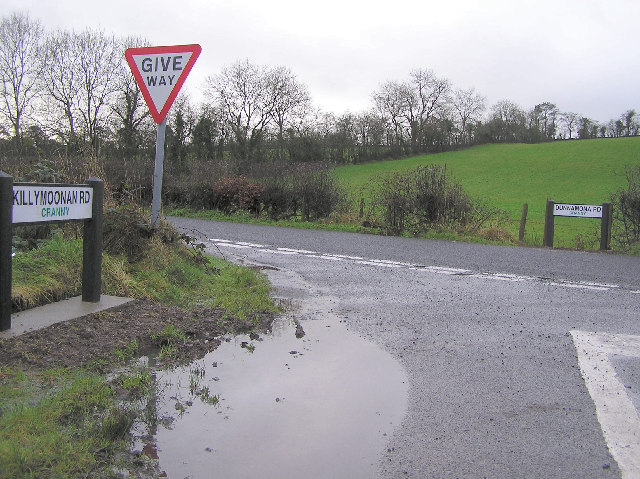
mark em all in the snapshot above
pixel 43 316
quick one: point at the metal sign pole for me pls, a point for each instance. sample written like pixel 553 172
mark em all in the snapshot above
pixel 157 173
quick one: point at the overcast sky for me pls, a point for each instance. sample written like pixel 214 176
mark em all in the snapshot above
pixel 581 55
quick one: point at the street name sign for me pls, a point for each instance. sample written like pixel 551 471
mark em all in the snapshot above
pixel 579 211
pixel 22 203
pixel 604 212
pixel 38 203
pixel 160 73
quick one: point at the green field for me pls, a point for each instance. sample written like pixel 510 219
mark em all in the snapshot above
pixel 507 176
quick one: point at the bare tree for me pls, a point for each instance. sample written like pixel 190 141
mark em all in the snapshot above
pixel 431 96
pixel 129 106
pixel 410 106
pixel 588 128
pixel 371 135
pixel 390 101
pixel 82 77
pixel 629 123
pixel 508 112
pixel 571 122
pixel 239 91
pixel 206 140
pixel 254 98
pixel 99 67
pixel 344 139
pixel 544 117
pixel 612 129
pixel 291 101
pixel 181 121
pixel 62 85
pixel 507 122
pixel 469 106
pixel 21 64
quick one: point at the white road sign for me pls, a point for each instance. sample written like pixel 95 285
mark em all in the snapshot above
pixel 581 211
pixel 32 204
pixel 160 73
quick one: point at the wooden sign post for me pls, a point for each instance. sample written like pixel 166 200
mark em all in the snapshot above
pixel 603 211
pixel 29 203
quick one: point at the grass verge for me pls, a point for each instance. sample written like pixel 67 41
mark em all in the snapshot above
pixel 349 224
pixel 329 224
pixel 58 423
pixel 166 273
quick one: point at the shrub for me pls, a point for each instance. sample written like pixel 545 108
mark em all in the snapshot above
pixel 308 189
pixel 438 199
pixel 199 196
pixel 237 193
pixel 317 192
pixel 128 231
pixel 626 212
pixel 394 196
pixel 280 190
pixel 31 236
pixel 278 199
pixel 44 171
pixel 422 198
pixel 26 237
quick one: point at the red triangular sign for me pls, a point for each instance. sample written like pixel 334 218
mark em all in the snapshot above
pixel 160 73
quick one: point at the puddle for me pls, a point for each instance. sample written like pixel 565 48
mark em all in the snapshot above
pixel 324 405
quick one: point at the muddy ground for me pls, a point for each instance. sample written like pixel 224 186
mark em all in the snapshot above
pixel 101 339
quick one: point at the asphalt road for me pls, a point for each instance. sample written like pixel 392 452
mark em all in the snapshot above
pixel 484 334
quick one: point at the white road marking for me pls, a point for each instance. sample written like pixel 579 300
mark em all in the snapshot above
pixel 296 251
pixel 578 285
pixel 419 267
pixel 616 412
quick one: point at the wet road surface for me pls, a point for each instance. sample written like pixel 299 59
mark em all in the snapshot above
pixel 487 338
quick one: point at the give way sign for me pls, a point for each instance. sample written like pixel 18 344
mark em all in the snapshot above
pixel 160 73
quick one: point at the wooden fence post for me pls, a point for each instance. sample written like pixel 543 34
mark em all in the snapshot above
pixel 605 226
pixel 548 225
pixel 523 222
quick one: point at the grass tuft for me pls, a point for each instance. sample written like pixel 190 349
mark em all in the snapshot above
pixel 55 424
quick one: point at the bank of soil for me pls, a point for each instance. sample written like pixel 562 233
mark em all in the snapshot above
pixel 135 329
